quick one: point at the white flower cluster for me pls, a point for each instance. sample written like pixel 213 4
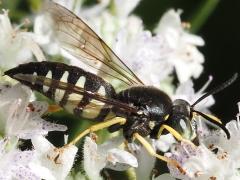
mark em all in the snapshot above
pixel 216 157
pixel 16 45
pixel 152 56
pixel 21 119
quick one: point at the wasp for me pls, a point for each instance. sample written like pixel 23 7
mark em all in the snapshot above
pixel 137 109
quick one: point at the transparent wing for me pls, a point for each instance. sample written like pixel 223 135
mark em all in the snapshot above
pixel 81 41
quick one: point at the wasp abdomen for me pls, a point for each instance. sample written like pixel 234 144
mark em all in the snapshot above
pixel 58 81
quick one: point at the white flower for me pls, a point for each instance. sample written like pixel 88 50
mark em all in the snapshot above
pixel 14 163
pixel 96 157
pixel 50 162
pixel 16 46
pixel 95 16
pixel 215 158
pixel 164 142
pixel 179 46
pixel 125 7
pixel 141 51
pixel 69 4
pixel 186 91
pixel 153 58
pixel 21 118
pixel 43 27
pixel 197 161
pixel 109 17
pixel 145 160
pixel 45 35
pixel 44 30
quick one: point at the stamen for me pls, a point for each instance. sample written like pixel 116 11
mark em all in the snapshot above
pixel 205 86
pixel 26 22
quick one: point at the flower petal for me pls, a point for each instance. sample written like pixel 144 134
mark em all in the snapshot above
pixel 164 142
pixel 50 162
pixel 93 162
pixel 120 160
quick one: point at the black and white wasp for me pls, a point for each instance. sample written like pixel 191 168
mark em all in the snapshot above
pixel 137 109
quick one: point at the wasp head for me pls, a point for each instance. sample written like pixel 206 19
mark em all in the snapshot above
pixel 180 118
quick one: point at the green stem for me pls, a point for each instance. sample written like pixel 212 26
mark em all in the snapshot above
pixel 202 13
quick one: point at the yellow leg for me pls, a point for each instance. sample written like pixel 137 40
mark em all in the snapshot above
pixel 152 152
pixel 97 127
pixel 171 130
pixel 174 133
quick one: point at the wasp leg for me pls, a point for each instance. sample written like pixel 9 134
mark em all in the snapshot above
pixel 97 127
pixel 171 130
pixel 174 133
pixel 152 152
pixel 114 128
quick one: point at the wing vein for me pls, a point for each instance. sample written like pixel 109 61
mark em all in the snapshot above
pixel 96 58
pixel 77 38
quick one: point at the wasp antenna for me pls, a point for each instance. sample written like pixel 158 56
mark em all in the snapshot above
pixel 217 89
pixel 214 122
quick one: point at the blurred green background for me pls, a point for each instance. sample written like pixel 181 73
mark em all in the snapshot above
pixel 217 21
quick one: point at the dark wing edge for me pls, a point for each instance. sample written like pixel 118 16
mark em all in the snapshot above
pixel 77 38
